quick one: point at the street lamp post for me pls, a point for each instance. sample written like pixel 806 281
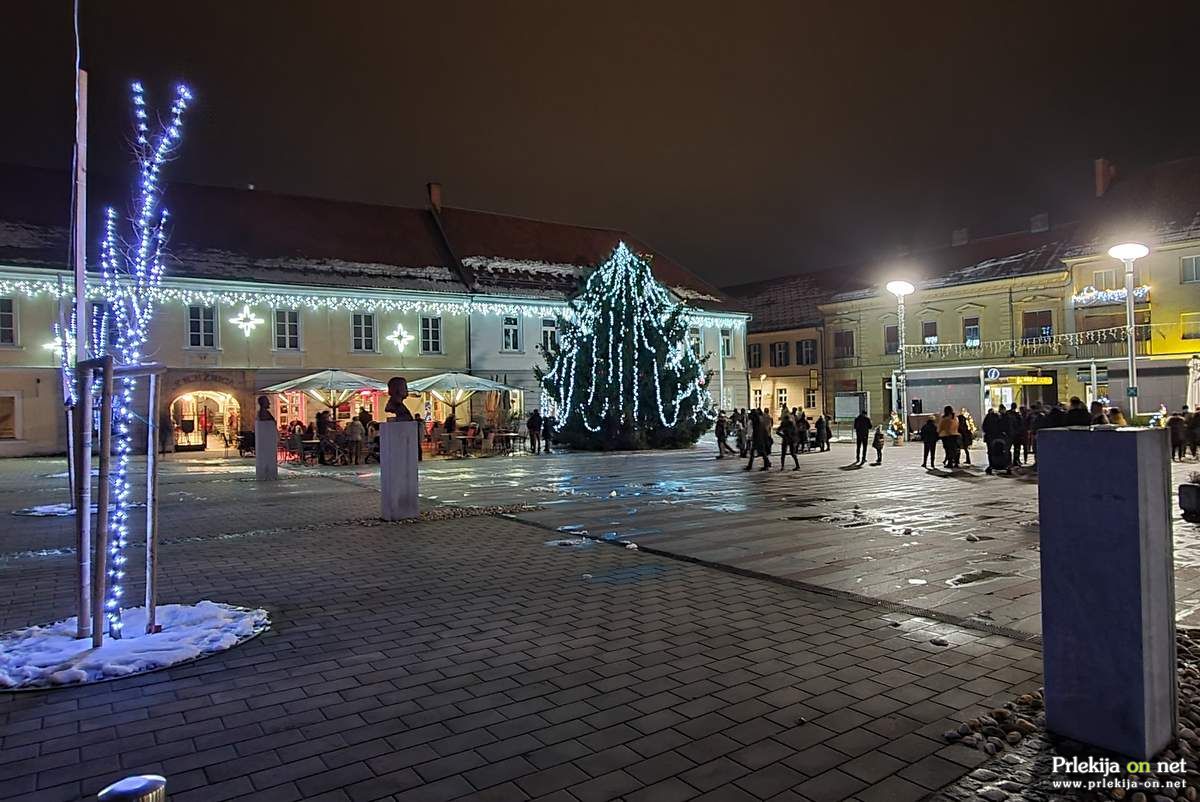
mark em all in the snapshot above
pixel 1128 253
pixel 901 289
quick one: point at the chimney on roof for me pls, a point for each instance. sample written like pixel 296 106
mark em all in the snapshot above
pixel 1105 171
pixel 960 236
pixel 1039 222
pixel 435 195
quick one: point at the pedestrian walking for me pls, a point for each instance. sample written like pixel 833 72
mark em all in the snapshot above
pixel 877 444
pixel 788 437
pixel 759 434
pixel 739 433
pixel 965 436
pixel 802 429
pixel 548 423
pixel 929 440
pixel 862 431
pixel 533 424
pixel 822 433
pixel 722 432
pixel 948 432
pixel 1177 427
pixel 356 433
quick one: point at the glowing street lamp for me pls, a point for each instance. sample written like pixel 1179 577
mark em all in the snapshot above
pixel 900 289
pixel 1128 253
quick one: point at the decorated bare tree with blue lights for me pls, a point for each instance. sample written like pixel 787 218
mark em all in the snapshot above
pixel 623 375
pixel 131 269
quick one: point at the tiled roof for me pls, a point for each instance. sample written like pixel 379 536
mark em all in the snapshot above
pixel 223 233
pixel 788 302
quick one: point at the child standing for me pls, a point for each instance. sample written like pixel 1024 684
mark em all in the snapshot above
pixel 877 444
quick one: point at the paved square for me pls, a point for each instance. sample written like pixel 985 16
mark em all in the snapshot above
pixel 468 659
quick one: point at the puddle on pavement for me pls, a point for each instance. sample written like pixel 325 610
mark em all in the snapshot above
pixel 975 577
pixel 570 542
pixel 802 518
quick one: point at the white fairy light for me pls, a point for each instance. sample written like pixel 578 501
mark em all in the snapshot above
pixel 246 320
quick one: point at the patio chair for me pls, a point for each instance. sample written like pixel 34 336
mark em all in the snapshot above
pixel 445 443
pixel 489 443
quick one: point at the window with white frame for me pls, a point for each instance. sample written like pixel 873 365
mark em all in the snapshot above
pixel 510 333
pixel 431 335
pixel 726 343
pixel 781 398
pixel 10 428
pixel 806 352
pixel 757 396
pixel 362 332
pixel 891 339
pixel 1190 269
pixel 810 399
pixel 8 321
pixel 971 332
pixel 697 341
pixel 202 327
pixel 549 334
pixel 1104 279
pixel 287 329
pixel 755 355
pixel 929 332
pixel 780 354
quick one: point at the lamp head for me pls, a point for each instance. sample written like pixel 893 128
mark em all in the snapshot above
pixel 1128 251
pixel 762 378
pixel 900 288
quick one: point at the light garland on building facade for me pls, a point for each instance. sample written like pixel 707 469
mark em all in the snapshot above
pixel 1005 348
pixel 1090 296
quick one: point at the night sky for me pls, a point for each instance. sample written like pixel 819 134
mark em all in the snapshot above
pixel 744 139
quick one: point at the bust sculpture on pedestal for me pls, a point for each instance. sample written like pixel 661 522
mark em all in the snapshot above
pixel 264 413
pixel 397 392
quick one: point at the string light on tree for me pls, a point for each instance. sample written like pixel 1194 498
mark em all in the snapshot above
pixel 246 320
pixel 400 337
pixel 623 374
pixel 131 274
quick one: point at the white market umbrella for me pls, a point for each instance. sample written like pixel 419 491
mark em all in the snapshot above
pixel 455 388
pixel 331 387
pixel 1193 388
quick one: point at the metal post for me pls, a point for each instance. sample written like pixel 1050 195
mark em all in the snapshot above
pixel 1130 337
pixel 81 422
pixel 721 364
pixel 80 243
pixel 985 403
pixel 99 576
pixel 152 504
pixel 1095 382
pixel 901 383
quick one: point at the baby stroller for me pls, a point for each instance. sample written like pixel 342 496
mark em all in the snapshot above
pixel 999 456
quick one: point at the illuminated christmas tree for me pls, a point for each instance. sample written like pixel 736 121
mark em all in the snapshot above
pixel 623 375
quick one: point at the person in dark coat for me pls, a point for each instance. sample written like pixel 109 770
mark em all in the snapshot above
pixel 758 440
pixel 788 440
pixel 533 425
pixel 802 428
pixel 1056 418
pixel 722 432
pixel 1078 415
pixel 862 433
pixel 965 436
pixel 1193 432
pixel 822 433
pixel 548 422
pixel 929 440
pixel 1177 427
pixel 1099 415
pixel 992 426
pixel 998 455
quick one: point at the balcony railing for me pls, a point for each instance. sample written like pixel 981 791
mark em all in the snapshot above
pixel 1109 343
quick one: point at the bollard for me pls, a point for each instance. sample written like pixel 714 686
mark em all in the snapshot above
pixel 138 788
pixel 1108 587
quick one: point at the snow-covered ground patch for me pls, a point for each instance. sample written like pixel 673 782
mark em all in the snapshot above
pixel 50 656
pixel 63 510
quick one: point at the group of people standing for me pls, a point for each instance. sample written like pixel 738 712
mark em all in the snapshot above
pixel 752 431
pixel 541 431
pixel 1184 430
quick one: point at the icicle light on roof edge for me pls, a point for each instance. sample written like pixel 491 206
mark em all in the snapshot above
pixel 32 288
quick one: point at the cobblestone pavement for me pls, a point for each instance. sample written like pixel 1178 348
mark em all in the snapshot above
pixel 471 660
pixel 961 546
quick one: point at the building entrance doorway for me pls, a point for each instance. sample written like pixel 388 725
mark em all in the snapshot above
pixel 205 419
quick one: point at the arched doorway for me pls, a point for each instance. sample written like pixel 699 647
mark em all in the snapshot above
pixel 205 419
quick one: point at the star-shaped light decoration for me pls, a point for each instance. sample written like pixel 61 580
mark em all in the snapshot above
pixel 400 337
pixel 246 320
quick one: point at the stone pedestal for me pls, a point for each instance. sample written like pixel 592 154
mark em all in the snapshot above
pixel 266 451
pixel 398 445
pixel 1108 587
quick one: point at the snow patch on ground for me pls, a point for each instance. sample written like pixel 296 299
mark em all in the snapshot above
pixel 63 510
pixel 50 656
